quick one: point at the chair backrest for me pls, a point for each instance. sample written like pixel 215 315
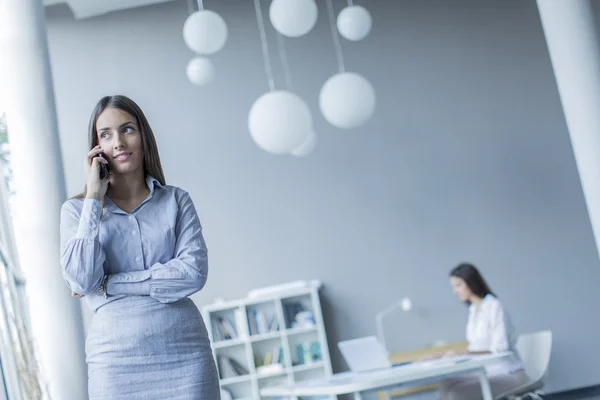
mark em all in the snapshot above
pixel 535 349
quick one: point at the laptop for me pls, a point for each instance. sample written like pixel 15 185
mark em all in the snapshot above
pixel 364 354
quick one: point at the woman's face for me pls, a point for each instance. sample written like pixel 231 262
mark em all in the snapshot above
pixel 121 141
pixel 460 288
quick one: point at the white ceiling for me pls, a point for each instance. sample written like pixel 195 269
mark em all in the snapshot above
pixel 91 8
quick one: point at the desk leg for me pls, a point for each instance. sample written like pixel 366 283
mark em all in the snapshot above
pixel 486 390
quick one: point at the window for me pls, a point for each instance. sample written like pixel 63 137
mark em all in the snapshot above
pixel 5 169
pixel 19 369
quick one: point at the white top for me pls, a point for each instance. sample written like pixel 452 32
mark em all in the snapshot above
pixel 489 329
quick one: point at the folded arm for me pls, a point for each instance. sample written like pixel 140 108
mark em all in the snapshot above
pixel 177 278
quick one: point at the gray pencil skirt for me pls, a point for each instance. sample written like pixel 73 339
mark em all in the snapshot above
pixel 138 349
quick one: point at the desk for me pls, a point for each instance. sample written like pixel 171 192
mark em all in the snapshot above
pixel 418 355
pixel 410 374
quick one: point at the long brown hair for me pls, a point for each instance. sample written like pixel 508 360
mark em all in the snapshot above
pixel 472 277
pixel 152 165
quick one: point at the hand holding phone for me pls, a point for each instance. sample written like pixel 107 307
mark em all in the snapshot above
pixel 96 173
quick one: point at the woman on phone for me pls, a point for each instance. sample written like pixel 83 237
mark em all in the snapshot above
pixel 133 246
pixel 489 330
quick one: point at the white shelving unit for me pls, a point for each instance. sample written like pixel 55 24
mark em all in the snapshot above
pixel 265 331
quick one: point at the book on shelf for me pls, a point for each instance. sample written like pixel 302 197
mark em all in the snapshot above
pixel 259 324
pixel 270 357
pixel 225 329
pixel 229 367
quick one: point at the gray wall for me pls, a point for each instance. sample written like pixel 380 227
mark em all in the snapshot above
pixel 467 158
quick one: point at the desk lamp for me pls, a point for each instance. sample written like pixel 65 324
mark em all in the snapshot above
pixel 403 303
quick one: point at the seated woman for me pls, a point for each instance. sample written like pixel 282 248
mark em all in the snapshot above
pixel 489 330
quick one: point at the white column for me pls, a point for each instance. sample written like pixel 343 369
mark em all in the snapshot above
pixel 572 40
pixel 39 181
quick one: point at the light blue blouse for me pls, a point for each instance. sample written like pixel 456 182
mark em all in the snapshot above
pixel 156 250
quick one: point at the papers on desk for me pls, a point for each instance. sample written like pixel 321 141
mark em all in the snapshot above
pixel 445 361
pixel 454 360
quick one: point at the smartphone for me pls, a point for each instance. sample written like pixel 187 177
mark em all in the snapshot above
pixel 103 168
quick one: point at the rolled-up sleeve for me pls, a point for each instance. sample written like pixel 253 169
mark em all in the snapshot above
pixel 498 329
pixel 177 278
pixel 82 258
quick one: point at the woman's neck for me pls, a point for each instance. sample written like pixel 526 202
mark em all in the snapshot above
pixel 476 300
pixel 127 186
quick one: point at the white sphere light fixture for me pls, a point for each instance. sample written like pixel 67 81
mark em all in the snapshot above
pixel 293 18
pixel 205 32
pixel 201 71
pixel 406 304
pixel 307 146
pixel 354 23
pixel 347 100
pixel 279 122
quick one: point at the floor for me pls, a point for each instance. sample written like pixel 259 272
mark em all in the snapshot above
pixel 592 393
